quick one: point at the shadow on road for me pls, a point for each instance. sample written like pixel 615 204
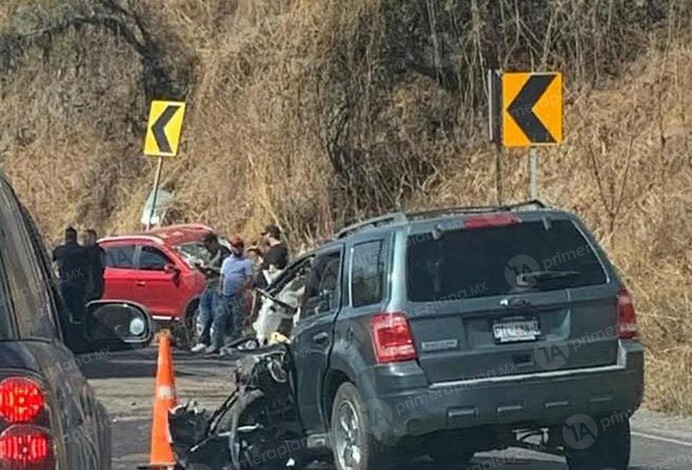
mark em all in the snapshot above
pixel 142 363
pixel 123 364
pixel 493 461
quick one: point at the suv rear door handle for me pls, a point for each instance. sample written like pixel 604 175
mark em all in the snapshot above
pixel 141 283
pixel 321 338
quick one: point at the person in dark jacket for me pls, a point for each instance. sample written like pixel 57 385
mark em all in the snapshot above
pixel 73 271
pixel 97 266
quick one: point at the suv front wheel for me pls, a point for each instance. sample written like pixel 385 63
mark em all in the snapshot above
pixel 353 443
pixel 610 448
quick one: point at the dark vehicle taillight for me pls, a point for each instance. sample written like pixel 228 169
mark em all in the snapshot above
pixel 392 338
pixel 26 447
pixel 21 400
pixel 25 443
pixel 627 318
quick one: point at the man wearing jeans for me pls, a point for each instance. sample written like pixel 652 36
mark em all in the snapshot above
pixel 236 276
pixel 211 300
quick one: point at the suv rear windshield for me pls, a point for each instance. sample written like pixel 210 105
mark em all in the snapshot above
pixel 480 262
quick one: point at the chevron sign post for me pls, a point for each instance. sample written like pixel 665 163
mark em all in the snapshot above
pixel 526 111
pixel 163 138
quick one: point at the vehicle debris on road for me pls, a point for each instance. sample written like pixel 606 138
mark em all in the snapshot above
pixel 257 426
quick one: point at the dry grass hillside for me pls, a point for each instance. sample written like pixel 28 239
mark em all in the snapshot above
pixel 313 114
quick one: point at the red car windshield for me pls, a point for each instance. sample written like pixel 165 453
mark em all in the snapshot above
pixel 193 253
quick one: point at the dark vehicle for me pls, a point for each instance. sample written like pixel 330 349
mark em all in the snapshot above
pixel 451 332
pixel 463 330
pixel 49 417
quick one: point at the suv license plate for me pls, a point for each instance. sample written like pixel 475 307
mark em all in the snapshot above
pixel 513 330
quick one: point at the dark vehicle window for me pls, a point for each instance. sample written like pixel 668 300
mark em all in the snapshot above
pixel 299 268
pixel 120 256
pixel 46 271
pixel 152 259
pixel 322 292
pixel 367 273
pixel 26 291
pixel 529 256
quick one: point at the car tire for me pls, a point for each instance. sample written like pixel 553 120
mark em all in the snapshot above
pixel 353 444
pixel 610 450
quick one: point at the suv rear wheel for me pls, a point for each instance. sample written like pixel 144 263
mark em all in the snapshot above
pixel 354 445
pixel 610 449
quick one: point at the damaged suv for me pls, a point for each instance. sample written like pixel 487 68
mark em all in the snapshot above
pixel 451 332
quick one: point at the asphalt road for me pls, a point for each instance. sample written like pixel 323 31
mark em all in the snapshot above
pixel 124 382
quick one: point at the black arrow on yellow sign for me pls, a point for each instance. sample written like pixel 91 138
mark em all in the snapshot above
pixel 521 109
pixel 159 128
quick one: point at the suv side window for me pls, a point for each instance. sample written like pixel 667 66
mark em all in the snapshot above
pixel 368 276
pixel 120 256
pixel 322 291
pixel 152 259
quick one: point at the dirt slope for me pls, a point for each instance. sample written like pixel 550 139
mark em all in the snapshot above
pixel 313 114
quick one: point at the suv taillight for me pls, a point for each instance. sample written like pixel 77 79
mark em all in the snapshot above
pixel 491 220
pixel 392 338
pixel 25 444
pixel 26 447
pixel 627 318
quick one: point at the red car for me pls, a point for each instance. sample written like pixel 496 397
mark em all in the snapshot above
pixel 156 269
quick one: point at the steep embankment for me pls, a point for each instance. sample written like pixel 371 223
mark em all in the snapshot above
pixel 314 113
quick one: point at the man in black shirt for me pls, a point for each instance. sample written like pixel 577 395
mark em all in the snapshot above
pixel 211 300
pixel 275 254
pixel 97 266
pixel 73 269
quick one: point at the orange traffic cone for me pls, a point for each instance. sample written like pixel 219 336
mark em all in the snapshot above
pixel 165 399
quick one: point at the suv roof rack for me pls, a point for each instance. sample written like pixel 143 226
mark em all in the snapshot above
pixel 476 209
pixel 395 217
pixel 371 223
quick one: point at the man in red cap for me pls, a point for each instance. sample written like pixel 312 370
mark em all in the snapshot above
pixel 236 277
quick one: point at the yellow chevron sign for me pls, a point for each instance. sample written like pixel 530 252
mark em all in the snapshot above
pixel 531 109
pixel 164 128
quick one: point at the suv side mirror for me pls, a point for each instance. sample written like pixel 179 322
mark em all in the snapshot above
pixel 117 324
